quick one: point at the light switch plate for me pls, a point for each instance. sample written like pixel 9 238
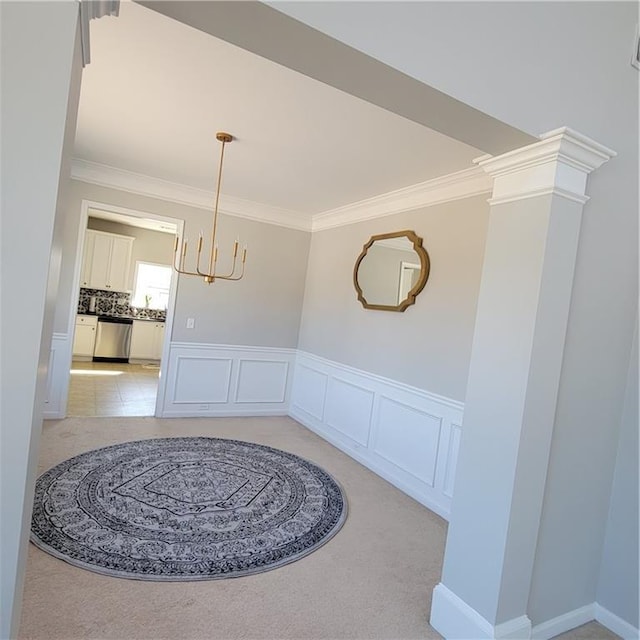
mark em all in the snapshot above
pixel 191 323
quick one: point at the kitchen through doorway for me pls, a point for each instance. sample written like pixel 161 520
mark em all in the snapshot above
pixel 125 297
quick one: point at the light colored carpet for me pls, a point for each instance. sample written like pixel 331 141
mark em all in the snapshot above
pixel 373 580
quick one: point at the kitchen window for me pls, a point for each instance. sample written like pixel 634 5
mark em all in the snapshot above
pixel 152 282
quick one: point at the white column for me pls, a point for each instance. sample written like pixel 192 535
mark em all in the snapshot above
pixel 523 307
pixel 40 77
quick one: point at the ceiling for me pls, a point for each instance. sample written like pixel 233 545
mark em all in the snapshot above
pixel 157 91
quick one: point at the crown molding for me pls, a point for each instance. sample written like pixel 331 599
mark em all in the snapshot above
pixel 454 186
pixel 106 176
pixel 90 9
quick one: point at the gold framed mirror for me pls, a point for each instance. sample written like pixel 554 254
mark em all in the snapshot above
pixel 391 271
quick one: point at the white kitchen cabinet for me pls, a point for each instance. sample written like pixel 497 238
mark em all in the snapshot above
pixel 147 338
pixel 87 258
pixel 84 337
pixel 106 263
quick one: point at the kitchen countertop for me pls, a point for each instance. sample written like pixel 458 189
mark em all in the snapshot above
pixel 124 317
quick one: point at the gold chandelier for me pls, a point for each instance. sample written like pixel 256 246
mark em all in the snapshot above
pixel 180 250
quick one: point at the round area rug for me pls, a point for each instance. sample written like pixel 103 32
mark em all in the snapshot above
pixel 185 509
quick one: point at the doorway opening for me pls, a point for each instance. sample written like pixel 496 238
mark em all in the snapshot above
pixel 409 274
pixel 124 308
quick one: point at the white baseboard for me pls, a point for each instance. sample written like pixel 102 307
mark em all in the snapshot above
pixel 616 624
pixel 241 412
pixel 456 620
pixel 407 435
pixel 580 616
pixel 563 623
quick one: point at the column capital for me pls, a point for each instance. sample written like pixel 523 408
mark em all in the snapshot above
pixel 559 163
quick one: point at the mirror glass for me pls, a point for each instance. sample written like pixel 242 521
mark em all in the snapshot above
pixel 391 270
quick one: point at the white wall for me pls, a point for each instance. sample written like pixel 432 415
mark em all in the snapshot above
pixel 36 143
pixel 428 345
pixel 538 66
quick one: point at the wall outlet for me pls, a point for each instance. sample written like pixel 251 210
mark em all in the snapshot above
pixel 203 407
pixel 191 322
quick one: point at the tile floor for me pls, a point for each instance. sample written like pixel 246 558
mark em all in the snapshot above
pixel 103 389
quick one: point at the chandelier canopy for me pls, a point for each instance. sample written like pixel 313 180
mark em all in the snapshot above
pixel 210 274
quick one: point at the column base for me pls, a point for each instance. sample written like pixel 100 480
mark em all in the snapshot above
pixel 456 620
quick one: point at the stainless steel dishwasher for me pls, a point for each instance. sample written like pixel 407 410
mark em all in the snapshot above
pixel 113 339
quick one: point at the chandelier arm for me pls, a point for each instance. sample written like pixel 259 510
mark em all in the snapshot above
pixel 226 276
pixel 184 272
pixel 176 262
pixel 232 278
pixel 183 257
pixel 179 258
pixel 202 273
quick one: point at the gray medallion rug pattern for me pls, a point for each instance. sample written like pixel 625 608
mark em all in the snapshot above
pixel 185 509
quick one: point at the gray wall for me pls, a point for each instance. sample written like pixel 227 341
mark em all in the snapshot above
pixel 493 60
pixel 428 345
pixel 618 584
pixel 263 309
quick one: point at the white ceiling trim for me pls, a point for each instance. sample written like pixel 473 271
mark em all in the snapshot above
pixel 106 176
pixel 454 186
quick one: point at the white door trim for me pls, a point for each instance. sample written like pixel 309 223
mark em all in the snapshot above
pixel 63 385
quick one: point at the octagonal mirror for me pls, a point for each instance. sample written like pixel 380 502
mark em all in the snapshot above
pixel 391 271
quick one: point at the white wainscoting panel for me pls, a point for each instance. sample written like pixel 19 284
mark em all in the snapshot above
pixel 408 436
pixel 227 380
pixel 201 379
pixel 349 409
pixel 310 390
pixel 57 377
pixel 262 381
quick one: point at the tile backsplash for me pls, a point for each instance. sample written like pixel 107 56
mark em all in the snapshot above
pixel 116 303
